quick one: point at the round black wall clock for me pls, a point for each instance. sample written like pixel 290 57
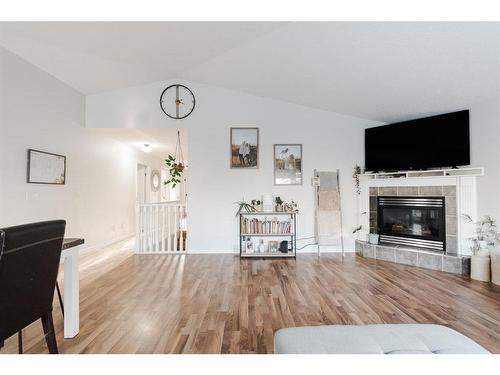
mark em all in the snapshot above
pixel 177 101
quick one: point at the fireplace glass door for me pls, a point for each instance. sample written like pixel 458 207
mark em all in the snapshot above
pixel 412 218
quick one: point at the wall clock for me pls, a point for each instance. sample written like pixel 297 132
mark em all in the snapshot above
pixel 177 101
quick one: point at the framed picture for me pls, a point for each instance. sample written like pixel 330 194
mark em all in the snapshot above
pixel 245 148
pixel 46 168
pixel 288 164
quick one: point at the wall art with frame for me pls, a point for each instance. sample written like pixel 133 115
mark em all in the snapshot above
pixel 288 164
pixel 46 168
pixel 244 148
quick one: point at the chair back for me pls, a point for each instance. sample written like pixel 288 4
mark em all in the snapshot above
pixel 29 263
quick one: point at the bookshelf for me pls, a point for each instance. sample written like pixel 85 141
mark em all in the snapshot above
pixel 272 230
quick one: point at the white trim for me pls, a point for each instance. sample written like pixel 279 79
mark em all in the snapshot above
pixel 308 251
pixel 459 172
pixel 324 250
pixel 201 252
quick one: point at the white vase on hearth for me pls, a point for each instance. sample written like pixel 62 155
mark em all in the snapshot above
pixel 480 267
pixel 483 248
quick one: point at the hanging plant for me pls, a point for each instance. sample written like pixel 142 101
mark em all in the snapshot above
pixel 175 164
pixel 175 171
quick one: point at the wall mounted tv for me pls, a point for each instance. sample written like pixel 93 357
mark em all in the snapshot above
pixel 430 142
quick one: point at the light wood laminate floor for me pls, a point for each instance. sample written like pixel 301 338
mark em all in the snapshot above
pixel 221 304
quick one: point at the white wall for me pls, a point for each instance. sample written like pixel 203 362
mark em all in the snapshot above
pixel 330 141
pixel 38 111
pixel 485 152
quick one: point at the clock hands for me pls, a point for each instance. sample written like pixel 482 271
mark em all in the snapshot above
pixel 184 98
pixel 177 101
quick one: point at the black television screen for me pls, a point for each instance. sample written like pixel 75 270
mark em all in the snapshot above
pixel 431 142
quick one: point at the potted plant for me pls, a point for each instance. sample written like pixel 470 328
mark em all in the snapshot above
pixel 175 164
pixel 485 234
pixel 256 204
pixel 360 228
pixel 373 237
pixel 244 207
pixel 175 170
pixel 279 204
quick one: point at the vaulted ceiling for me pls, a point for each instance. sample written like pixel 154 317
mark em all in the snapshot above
pixel 379 71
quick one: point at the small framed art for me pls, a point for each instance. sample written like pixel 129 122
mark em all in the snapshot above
pixel 245 148
pixel 46 168
pixel 288 164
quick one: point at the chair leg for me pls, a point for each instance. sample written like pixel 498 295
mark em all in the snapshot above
pixel 20 341
pixel 50 335
pixel 60 298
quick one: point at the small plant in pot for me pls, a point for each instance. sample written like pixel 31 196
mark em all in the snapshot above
pixel 244 207
pixel 486 234
pixel 279 204
pixel 373 236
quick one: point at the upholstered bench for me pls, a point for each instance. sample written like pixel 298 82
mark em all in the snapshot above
pixel 374 339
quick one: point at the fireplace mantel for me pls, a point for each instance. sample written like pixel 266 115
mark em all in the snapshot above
pixel 422 183
pixel 458 172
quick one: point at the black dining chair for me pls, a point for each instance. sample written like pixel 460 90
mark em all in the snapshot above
pixel 29 263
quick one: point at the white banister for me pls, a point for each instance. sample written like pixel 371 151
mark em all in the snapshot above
pixel 161 228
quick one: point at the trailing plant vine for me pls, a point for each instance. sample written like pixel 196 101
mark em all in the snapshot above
pixel 175 164
pixel 175 170
pixel 355 176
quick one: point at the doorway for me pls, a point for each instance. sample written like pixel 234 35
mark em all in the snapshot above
pixel 142 172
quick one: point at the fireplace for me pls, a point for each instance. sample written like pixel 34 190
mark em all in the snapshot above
pixel 412 221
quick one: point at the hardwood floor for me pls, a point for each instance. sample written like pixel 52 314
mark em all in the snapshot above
pixel 221 304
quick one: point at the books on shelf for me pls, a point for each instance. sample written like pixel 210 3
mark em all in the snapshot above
pixel 265 226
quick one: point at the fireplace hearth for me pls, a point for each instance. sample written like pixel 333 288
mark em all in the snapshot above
pixel 412 221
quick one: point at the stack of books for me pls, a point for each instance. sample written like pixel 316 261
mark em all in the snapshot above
pixel 265 226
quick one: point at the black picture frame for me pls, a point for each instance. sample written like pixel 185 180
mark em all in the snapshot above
pixel 29 178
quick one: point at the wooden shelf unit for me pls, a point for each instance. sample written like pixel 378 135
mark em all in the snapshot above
pixel 291 236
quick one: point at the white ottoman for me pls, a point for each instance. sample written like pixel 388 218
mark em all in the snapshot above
pixel 374 339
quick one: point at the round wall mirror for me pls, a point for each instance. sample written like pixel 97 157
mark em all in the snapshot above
pixel 155 180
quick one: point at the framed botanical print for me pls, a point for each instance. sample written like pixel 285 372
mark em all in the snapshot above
pixel 245 148
pixel 288 164
pixel 46 168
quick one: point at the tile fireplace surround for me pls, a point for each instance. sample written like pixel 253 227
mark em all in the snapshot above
pixel 459 192
pixel 415 257
pixel 449 192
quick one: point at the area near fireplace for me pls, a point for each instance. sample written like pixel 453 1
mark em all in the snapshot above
pixel 421 216
pixel 418 217
pixel 413 221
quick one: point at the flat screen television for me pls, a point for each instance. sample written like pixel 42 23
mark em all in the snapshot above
pixel 430 142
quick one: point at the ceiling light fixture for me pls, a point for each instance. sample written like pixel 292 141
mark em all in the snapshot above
pixel 146 147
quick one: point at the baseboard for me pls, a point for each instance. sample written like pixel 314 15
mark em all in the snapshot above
pixel 309 251
pixel 201 252
pixel 324 249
